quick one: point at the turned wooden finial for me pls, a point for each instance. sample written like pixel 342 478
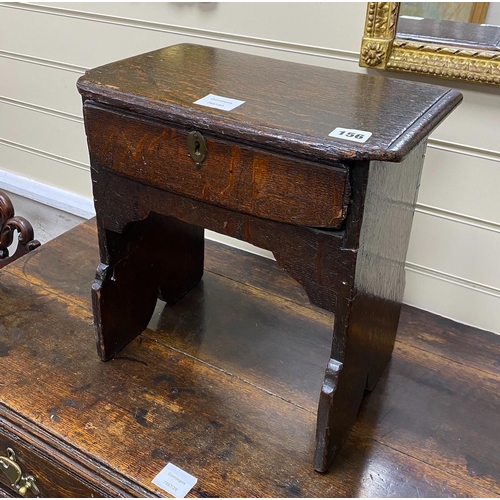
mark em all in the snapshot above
pixel 9 224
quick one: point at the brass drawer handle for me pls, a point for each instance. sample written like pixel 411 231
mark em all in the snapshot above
pixel 18 481
pixel 197 148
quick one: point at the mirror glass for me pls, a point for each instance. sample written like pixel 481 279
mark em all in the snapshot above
pixel 459 24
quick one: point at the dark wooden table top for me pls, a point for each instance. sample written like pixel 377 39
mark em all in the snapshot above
pixel 288 106
pixel 224 385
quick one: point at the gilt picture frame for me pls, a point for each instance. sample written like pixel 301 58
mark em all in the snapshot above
pixel 381 49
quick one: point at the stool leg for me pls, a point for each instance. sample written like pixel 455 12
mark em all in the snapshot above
pixel 382 328
pixel 186 254
pixel 364 332
pixel 377 232
pixel 343 386
pixel 159 254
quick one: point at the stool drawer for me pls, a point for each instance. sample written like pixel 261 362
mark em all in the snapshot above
pixel 238 177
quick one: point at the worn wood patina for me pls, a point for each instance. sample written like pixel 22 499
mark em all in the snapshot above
pixel 335 213
pixel 224 385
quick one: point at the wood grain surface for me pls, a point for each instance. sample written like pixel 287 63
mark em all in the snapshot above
pixel 203 387
pixel 121 202
pixel 163 164
pixel 239 178
pixel 288 106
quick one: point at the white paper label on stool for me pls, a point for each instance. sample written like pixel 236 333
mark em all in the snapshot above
pixel 219 102
pixel 351 134
pixel 174 481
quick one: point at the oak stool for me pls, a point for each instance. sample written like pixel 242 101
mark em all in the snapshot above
pixel 319 166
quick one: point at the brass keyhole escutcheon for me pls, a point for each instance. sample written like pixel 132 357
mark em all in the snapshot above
pixel 197 148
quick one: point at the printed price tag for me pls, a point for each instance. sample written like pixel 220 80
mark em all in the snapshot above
pixel 219 102
pixel 350 134
pixel 174 481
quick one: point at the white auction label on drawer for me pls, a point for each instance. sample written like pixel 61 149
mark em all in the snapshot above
pixel 174 481
pixel 351 134
pixel 219 102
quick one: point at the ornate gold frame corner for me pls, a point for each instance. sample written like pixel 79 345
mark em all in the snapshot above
pixel 379 34
pixel 380 49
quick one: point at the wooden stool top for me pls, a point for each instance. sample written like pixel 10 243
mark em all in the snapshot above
pixel 287 107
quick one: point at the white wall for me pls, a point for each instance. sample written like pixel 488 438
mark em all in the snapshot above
pixel 453 261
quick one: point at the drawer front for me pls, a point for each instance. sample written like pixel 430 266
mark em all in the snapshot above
pixel 51 480
pixel 238 177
